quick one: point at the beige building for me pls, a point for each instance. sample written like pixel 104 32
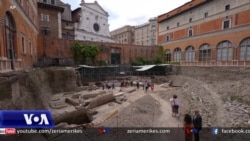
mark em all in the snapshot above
pixel 123 35
pixel 146 34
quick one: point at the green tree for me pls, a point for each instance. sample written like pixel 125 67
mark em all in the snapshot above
pixel 76 49
pixel 91 51
pixel 159 56
pixel 82 53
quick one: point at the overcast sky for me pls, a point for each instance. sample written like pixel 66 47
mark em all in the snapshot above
pixel 131 12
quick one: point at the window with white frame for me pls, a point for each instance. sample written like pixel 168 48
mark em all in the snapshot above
pixel 226 23
pixel 227 7
pixel 167 37
pixel 44 17
pixel 190 32
pixel 23 43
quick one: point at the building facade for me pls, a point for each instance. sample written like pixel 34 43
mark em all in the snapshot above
pixel 123 35
pixel 18 34
pixel 92 23
pixel 146 34
pixel 112 53
pixel 67 23
pixel 50 18
pixel 210 32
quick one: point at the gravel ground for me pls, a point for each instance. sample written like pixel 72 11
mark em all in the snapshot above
pixel 143 113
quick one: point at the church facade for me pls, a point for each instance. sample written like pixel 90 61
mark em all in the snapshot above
pixel 92 23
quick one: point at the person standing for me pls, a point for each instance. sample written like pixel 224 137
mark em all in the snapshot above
pixel 152 86
pixel 103 85
pixel 188 126
pixel 137 84
pixel 197 122
pixel 144 85
pixel 113 85
pixel 175 105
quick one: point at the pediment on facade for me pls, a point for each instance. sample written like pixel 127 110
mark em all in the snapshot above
pixel 96 7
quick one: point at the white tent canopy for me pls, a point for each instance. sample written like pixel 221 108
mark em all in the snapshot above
pixel 147 67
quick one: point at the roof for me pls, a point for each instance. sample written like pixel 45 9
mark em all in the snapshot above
pixel 92 6
pixel 86 66
pixel 50 6
pixel 147 67
pixel 183 8
pixel 76 10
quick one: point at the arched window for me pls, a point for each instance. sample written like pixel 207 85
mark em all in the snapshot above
pixel 245 50
pixel 167 55
pixel 177 55
pixel 205 52
pixel 224 51
pixel 190 54
pixel 10 30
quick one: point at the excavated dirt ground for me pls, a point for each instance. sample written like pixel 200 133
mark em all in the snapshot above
pixel 152 109
pixel 223 103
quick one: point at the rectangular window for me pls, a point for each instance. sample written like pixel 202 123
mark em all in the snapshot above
pixel 167 27
pixel 45 1
pixel 178 24
pixel 206 14
pixel 44 17
pixel 190 20
pixel 226 24
pixel 53 2
pixel 227 7
pixel 153 42
pixel 167 38
pixel 190 32
pixel 153 27
pixel 45 31
pixel 23 44
pixel 31 49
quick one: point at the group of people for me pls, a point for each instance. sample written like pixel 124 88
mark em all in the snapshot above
pixel 191 125
pixel 125 83
pixel 108 85
pixel 146 84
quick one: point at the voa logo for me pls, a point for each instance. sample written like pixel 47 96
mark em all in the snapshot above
pixel 32 119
